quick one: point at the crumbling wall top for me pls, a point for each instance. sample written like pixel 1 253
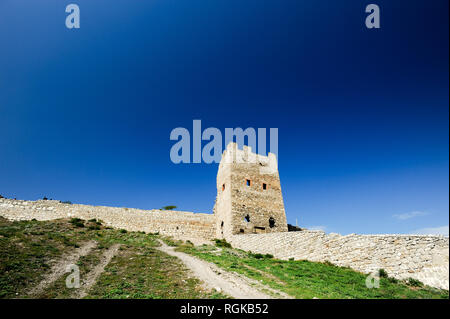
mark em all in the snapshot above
pixel 233 155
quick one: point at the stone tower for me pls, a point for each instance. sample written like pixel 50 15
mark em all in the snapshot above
pixel 249 198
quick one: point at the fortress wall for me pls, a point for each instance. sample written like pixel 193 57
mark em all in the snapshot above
pixel 425 258
pixel 182 225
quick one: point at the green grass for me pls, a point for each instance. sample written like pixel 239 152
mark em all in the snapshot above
pixel 141 272
pixel 304 279
pixel 27 249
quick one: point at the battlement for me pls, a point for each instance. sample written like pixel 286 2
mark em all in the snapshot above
pixel 233 155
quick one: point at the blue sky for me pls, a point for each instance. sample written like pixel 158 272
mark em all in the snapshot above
pixel 85 115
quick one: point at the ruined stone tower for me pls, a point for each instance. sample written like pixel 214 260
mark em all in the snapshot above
pixel 249 198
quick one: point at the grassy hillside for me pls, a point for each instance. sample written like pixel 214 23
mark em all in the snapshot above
pixel 304 279
pixel 28 249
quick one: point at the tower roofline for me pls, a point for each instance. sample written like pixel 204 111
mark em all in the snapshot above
pixel 232 154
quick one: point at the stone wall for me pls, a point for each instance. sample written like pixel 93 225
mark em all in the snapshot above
pixel 222 206
pixel 249 198
pixel 183 225
pixel 425 258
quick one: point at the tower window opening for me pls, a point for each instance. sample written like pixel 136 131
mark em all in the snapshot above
pixel 247 218
pixel 271 222
pixel 223 187
pixel 264 186
pixel 259 229
pixel 248 182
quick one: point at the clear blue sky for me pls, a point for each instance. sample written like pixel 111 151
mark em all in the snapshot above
pixel 363 115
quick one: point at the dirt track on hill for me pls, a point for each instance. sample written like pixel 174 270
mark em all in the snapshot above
pixel 92 276
pixel 232 284
pixel 59 268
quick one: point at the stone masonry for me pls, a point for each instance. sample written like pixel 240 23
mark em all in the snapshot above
pixel 249 198
pixel 183 225
pixel 249 213
pixel 425 258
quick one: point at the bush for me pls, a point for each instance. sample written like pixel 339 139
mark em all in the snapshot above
pixel 222 243
pixel 261 256
pixel 382 273
pixel 77 222
pixel 393 280
pixel 67 202
pixel 414 282
pixel 171 207
pixel 99 222
pixel 188 242
pixel 123 231
pixel 172 242
pixel 258 256
pixel 95 221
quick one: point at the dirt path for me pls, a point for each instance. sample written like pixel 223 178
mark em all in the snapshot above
pixel 59 268
pixel 234 285
pixel 91 277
